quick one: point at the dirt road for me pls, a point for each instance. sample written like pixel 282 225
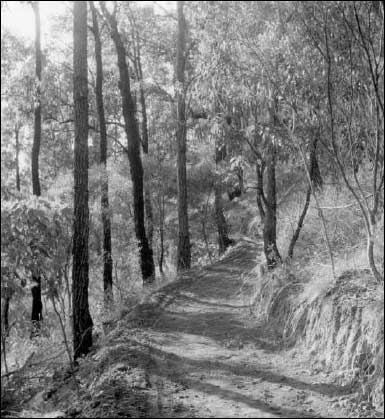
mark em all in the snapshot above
pixel 203 354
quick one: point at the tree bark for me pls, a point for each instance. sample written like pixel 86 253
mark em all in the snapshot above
pixel 316 183
pixel 270 225
pixel 106 220
pixel 260 168
pixel 17 131
pixel 223 234
pixel 184 248
pixel 37 306
pixel 204 232
pixel 145 142
pixel 37 108
pixel 7 295
pixel 149 213
pixel 161 237
pixel 294 239
pixel 161 205
pixel 82 322
pixel 133 149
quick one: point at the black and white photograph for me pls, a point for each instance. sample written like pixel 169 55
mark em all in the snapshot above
pixel 192 209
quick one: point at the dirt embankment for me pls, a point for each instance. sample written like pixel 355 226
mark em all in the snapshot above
pixel 339 329
pixel 201 347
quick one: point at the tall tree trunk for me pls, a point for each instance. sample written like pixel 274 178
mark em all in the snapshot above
pixel 260 168
pixel 145 143
pixel 133 149
pixel 184 249
pixel 144 129
pixel 106 220
pixel 17 132
pixel 223 231
pixel 82 322
pixel 161 237
pixel 147 187
pixel 149 213
pixel 6 295
pixel 37 108
pixel 161 206
pixel 37 306
pixel 295 237
pixel 204 232
pixel 223 234
pixel 316 184
pixel 4 316
pixel 270 223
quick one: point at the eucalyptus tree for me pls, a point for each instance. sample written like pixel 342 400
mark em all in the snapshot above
pixel 184 251
pixel 133 145
pixel 106 220
pixel 348 39
pixel 37 305
pixel 82 321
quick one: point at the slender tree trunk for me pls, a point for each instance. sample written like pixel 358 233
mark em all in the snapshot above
pixel 145 142
pixel 223 231
pixel 4 316
pixel 133 149
pixel 7 295
pixel 294 239
pixel 37 306
pixel 149 213
pixel 147 187
pixel 37 109
pixel 204 232
pixel 161 253
pixel 161 226
pixel 17 131
pixel 270 223
pixel 82 322
pixel 260 194
pixel 184 248
pixel 144 127
pixel 316 184
pixel 223 234
pixel 106 220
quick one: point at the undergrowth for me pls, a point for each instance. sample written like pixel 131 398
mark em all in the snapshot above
pixel 337 321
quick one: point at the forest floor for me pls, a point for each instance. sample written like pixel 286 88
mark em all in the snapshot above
pixel 195 350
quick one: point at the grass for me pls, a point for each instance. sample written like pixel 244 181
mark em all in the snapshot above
pixel 310 308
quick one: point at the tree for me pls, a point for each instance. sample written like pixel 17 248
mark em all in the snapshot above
pixel 221 141
pixel 37 105
pixel 106 221
pixel 270 220
pixel 133 147
pixel 184 251
pixel 352 112
pixel 82 322
pixel 315 184
pixel 137 64
pixel 37 306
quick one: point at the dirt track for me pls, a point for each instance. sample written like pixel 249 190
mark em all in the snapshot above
pixel 205 356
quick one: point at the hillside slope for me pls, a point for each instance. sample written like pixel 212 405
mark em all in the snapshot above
pixel 193 349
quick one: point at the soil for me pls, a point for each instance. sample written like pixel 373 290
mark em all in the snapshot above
pixel 203 355
pixel 194 349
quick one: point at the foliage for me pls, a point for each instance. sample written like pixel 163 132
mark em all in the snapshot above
pixel 35 237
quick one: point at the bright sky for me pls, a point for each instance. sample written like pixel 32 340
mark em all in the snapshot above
pixel 19 18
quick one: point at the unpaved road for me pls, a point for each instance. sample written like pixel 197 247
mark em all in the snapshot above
pixel 205 356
